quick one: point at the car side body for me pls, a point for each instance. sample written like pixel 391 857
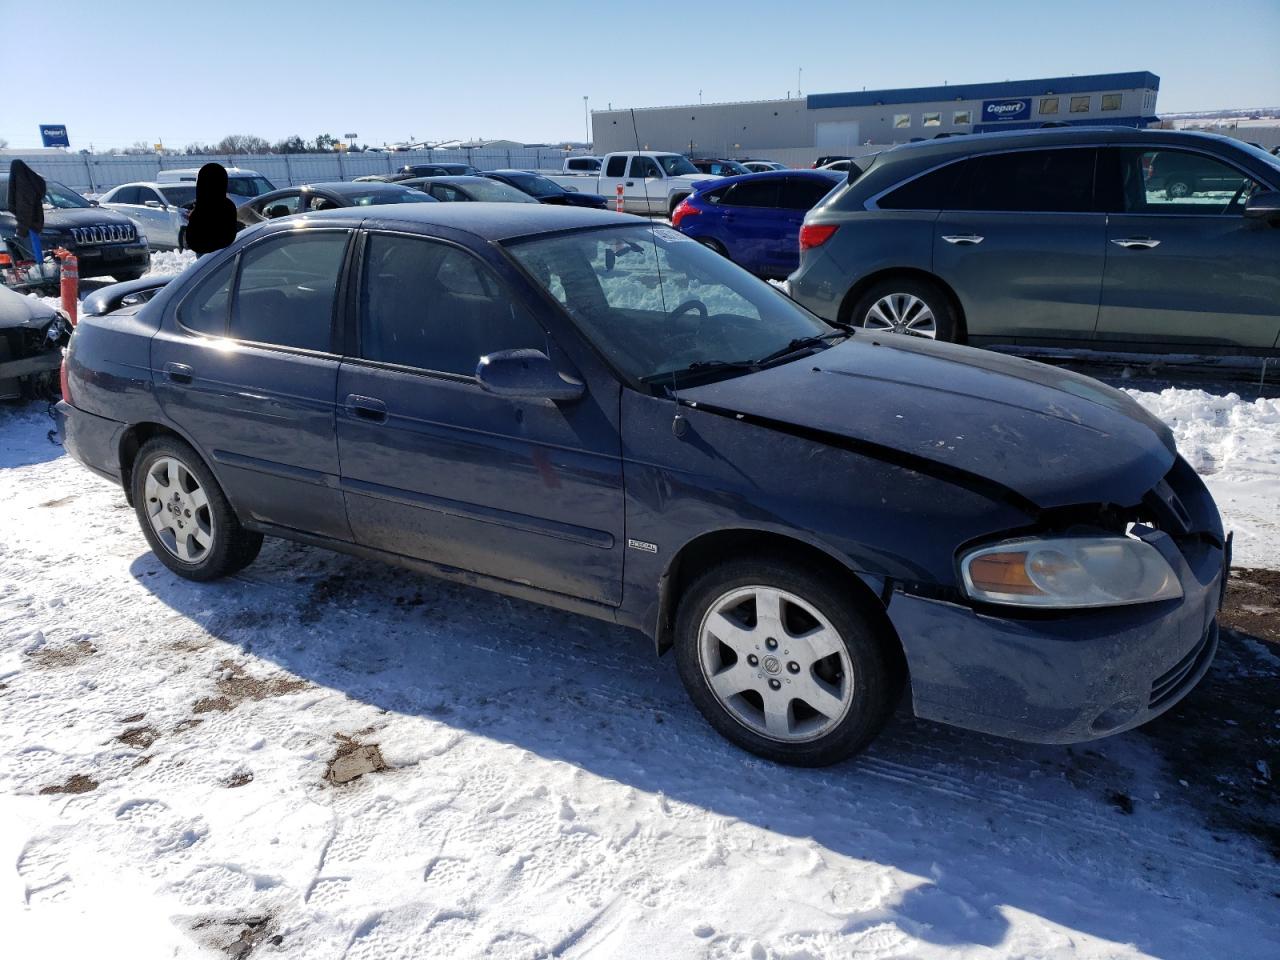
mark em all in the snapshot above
pixel 870 463
pixel 468 190
pixel 1155 241
pixel 545 190
pixel 161 210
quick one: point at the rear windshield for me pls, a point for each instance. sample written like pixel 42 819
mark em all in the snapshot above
pixel 379 197
pixel 248 186
pixel 534 185
pixel 492 190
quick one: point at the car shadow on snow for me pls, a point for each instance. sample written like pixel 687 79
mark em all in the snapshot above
pixel 1077 835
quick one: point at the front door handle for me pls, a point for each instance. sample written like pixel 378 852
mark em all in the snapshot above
pixel 1137 243
pixel 178 372
pixel 964 240
pixel 366 408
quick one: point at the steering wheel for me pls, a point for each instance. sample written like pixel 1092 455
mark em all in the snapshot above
pixel 690 305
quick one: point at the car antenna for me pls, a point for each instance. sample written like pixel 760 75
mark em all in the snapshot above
pixel 679 425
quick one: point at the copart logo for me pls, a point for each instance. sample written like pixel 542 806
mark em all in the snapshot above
pixel 1005 109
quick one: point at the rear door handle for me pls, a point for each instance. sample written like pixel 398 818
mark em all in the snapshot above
pixel 631 183
pixel 964 240
pixel 1138 243
pixel 366 408
pixel 178 372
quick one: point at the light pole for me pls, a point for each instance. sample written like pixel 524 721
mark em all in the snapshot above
pixel 586 120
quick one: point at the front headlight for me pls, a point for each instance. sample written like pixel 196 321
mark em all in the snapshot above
pixel 1069 572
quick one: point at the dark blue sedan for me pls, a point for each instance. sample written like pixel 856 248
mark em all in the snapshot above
pixel 598 414
pixel 545 190
pixel 754 219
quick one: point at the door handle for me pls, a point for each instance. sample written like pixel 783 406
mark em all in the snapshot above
pixel 1138 243
pixel 964 240
pixel 178 372
pixel 366 408
pixel 631 183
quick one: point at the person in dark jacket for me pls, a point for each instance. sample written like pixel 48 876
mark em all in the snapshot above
pixel 212 224
pixel 26 203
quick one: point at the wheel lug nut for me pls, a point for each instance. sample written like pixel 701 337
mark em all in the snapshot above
pixel 771 643
pixel 753 659
pixel 775 685
pixel 793 667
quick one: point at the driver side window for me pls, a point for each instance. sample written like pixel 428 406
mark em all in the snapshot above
pixel 644 168
pixel 1182 182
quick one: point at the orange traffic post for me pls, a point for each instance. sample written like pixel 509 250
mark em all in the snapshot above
pixel 70 286
pixel 618 205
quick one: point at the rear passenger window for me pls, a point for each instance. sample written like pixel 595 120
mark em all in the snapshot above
pixel 125 195
pixel 1029 181
pixel 617 167
pixel 803 193
pixel 932 191
pixel 432 306
pixel 753 193
pixel 206 310
pixel 286 291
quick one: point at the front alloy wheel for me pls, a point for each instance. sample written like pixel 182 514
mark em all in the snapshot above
pixel 775 663
pixel 781 661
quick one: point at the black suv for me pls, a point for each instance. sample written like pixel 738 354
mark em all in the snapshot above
pixel 106 243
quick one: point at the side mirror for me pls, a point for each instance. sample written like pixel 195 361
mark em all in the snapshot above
pixel 1264 205
pixel 525 375
pixel 153 204
pixel 93 203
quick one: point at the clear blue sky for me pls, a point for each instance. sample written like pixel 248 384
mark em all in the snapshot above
pixel 121 72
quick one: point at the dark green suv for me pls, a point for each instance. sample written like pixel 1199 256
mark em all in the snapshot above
pixel 1140 240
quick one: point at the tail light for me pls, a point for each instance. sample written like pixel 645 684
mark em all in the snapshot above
pixel 683 209
pixel 816 234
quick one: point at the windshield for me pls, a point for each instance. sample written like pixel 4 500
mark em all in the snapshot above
pixel 535 185
pixel 248 186
pixel 56 196
pixel 659 305
pixel 1271 160
pixel 675 165
pixel 493 191
pixel 179 196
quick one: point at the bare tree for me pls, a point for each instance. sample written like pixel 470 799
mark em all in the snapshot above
pixel 293 144
pixel 3 143
pixel 242 143
pixel 139 147
pixel 325 143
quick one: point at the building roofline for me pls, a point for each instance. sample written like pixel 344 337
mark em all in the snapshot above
pixel 1139 80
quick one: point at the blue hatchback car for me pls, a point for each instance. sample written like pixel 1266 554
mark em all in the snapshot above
pixel 596 413
pixel 755 219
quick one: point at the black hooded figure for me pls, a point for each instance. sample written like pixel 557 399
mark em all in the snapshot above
pixel 212 224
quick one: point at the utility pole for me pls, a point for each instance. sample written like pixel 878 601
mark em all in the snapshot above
pixel 586 119
pixel 799 79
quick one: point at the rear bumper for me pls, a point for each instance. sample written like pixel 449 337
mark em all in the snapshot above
pixel 90 439
pixel 1069 678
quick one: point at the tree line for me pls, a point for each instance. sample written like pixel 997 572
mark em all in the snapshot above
pixel 243 143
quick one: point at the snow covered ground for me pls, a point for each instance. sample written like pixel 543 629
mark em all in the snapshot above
pixel 324 757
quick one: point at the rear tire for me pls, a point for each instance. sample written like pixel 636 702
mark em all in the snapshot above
pixel 675 202
pixel 184 514
pixel 810 686
pixel 1179 188
pixel 907 305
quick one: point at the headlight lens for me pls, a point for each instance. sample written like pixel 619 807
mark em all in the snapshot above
pixel 1066 572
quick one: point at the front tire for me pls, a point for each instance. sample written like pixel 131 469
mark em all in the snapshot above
pixel 184 514
pixel 782 664
pixel 906 305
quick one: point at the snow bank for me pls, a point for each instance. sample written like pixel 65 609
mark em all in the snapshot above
pixel 1220 434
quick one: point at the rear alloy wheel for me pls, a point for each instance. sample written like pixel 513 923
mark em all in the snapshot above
pixel 915 308
pixel 1178 190
pixel 184 514
pixel 781 663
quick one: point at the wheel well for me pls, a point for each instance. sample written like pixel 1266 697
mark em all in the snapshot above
pixel 705 551
pixel 131 442
pixel 866 283
pixel 676 200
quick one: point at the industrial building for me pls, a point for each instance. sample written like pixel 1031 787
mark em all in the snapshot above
pixel 799 129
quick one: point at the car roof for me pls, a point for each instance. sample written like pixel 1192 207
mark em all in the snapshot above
pixel 487 221
pixel 348 187
pixel 461 181
pixel 831 176
pixel 527 173
pixel 1047 137
pixel 231 171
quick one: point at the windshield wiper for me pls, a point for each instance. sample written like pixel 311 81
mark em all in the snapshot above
pixel 802 343
pixel 699 366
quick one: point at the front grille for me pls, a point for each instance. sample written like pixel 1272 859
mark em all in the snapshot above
pixel 104 233
pixel 1172 683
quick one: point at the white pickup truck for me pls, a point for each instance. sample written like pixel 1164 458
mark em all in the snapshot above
pixel 652 182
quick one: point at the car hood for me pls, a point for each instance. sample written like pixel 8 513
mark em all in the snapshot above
pixel 17 310
pixel 1052 437
pixel 82 217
